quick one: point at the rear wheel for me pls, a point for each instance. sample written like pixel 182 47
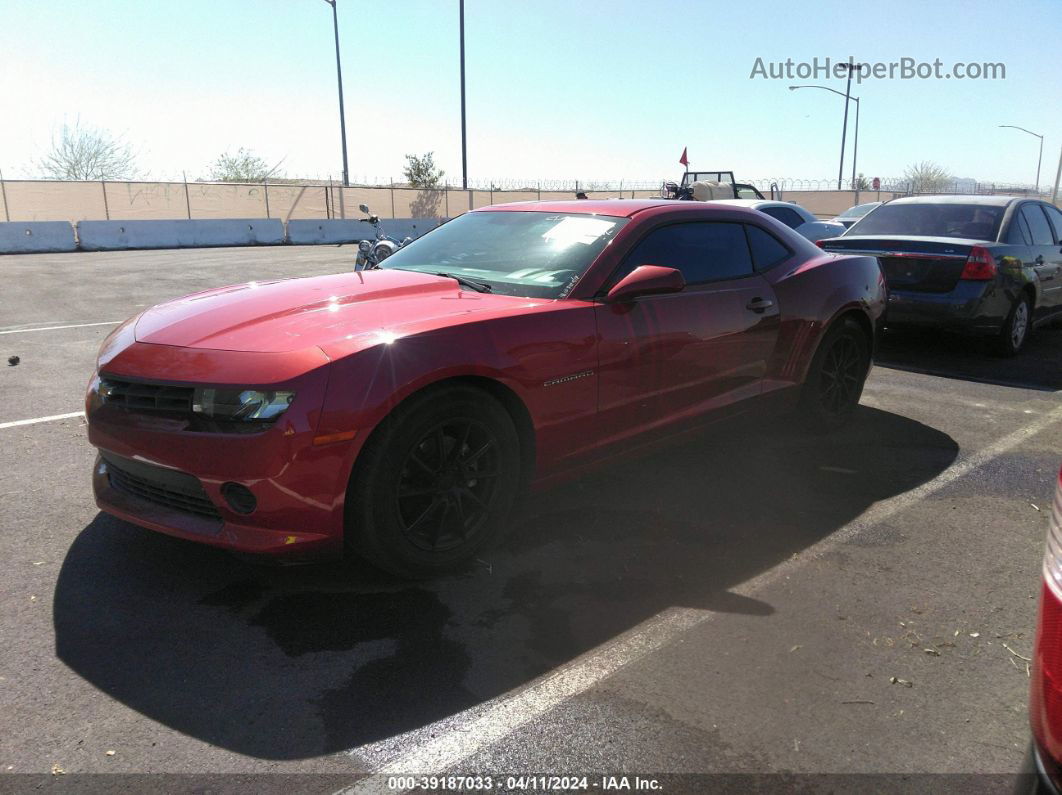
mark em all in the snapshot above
pixel 1016 327
pixel 836 376
pixel 435 484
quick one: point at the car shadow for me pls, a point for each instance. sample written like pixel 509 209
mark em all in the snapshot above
pixel 293 662
pixel 1038 366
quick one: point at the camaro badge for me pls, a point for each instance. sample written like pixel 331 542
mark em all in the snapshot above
pixel 566 378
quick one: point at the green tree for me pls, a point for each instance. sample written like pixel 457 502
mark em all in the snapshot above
pixel 421 172
pixel 243 166
pixel 88 153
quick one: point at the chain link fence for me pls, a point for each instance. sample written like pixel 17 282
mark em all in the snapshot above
pixel 48 200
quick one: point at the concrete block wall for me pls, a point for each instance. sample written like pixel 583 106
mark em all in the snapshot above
pixel 116 235
pixel 34 237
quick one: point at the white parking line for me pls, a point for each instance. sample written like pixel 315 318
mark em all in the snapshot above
pixel 56 328
pixel 508 714
pixel 35 420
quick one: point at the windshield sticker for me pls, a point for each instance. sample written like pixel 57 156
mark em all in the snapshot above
pixel 577 230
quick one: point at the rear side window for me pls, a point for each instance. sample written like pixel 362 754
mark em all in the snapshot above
pixel 790 218
pixel 703 252
pixel 1018 233
pixel 1041 231
pixel 767 251
pixel 1056 219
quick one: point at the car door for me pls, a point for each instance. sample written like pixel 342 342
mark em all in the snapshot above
pixel 1054 254
pixel 1045 261
pixel 668 357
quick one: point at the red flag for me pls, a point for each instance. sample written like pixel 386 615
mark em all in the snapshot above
pixel 684 160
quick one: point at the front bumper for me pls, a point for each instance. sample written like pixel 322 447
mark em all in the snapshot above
pixel 977 308
pixel 232 532
pixel 299 487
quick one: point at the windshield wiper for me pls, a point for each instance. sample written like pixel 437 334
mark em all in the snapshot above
pixel 479 287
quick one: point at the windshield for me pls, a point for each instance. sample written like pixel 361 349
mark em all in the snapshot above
pixel 527 254
pixel 968 221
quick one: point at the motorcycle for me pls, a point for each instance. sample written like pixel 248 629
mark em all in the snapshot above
pixel 372 252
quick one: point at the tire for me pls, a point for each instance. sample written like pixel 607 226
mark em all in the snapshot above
pixel 836 376
pixel 434 484
pixel 1016 328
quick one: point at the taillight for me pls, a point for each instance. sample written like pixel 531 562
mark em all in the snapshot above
pixel 1045 694
pixel 980 265
pixel 821 243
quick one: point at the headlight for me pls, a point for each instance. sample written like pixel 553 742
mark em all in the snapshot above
pixel 383 250
pixel 247 405
pixel 364 246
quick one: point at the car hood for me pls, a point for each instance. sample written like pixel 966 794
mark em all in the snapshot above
pixel 293 314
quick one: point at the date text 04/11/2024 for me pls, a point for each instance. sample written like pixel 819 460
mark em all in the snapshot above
pixel 529 783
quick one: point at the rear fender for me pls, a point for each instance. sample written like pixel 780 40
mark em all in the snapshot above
pixel 813 296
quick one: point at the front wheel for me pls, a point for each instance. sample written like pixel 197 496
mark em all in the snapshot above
pixel 836 376
pixel 435 484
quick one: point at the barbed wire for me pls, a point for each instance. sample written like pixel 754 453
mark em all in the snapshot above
pixel 517 185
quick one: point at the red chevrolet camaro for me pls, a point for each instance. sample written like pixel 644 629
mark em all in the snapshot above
pixel 398 412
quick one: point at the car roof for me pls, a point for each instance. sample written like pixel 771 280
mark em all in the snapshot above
pixel 990 201
pixel 857 206
pixel 621 208
pixel 753 203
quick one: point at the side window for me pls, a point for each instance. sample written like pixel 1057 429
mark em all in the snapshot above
pixel 704 252
pixel 1041 230
pixel 1018 233
pixel 767 251
pixel 790 218
pixel 1056 220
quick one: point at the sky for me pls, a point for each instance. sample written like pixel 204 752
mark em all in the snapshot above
pixel 596 90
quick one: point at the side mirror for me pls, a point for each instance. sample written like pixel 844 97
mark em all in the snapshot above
pixel 364 208
pixel 647 280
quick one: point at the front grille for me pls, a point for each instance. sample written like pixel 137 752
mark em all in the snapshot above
pixel 178 491
pixel 139 396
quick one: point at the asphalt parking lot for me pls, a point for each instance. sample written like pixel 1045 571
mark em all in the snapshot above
pixel 754 599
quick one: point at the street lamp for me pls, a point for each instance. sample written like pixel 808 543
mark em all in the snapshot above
pixel 1040 159
pixel 855 146
pixel 339 77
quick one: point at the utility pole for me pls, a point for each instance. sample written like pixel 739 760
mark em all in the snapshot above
pixel 464 143
pixel 1054 193
pixel 339 78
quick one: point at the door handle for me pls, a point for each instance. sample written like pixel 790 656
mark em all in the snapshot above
pixel 758 305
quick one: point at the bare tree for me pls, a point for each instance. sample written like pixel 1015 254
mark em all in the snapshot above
pixel 928 177
pixel 88 153
pixel 244 166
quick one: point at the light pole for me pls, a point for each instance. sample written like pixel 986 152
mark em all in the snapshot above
pixel 855 145
pixel 342 114
pixel 1040 159
pixel 464 148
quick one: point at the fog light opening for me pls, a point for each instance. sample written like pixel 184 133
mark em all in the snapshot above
pixel 239 498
